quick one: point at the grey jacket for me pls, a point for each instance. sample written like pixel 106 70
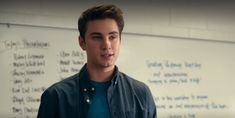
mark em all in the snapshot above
pixel 70 98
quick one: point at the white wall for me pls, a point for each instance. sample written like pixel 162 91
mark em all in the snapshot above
pixel 195 19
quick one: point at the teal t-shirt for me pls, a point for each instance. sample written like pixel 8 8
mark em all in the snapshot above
pixel 99 107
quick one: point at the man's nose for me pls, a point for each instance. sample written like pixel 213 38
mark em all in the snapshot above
pixel 106 44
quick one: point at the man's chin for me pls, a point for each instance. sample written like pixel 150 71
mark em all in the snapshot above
pixel 108 65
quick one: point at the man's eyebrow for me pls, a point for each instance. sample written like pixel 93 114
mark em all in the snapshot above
pixel 110 33
pixel 95 33
pixel 114 32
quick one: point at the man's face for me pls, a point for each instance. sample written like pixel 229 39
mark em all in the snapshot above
pixel 101 43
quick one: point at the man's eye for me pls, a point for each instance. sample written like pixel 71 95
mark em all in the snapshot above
pixel 96 37
pixel 113 37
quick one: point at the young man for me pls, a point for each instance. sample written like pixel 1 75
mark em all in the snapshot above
pixel 99 90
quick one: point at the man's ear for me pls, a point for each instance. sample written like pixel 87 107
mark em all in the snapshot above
pixel 82 42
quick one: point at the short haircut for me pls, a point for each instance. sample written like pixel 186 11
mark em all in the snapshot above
pixel 98 13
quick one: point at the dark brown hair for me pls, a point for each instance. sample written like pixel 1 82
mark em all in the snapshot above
pixel 100 12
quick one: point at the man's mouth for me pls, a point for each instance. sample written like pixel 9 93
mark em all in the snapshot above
pixel 108 55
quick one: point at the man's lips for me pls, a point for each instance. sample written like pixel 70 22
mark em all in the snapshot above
pixel 107 55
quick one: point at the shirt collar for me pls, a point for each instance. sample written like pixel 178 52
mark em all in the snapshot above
pixel 84 79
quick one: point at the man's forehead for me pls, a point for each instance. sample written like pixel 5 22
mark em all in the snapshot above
pixel 102 27
pixel 102 22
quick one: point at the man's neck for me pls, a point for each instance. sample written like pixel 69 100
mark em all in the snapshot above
pixel 100 74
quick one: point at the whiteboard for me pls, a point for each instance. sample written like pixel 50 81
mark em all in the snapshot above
pixel 188 78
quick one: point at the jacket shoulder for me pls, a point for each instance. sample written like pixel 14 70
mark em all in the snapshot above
pixel 67 85
pixel 137 86
pixel 142 93
pixel 140 90
pixel 54 98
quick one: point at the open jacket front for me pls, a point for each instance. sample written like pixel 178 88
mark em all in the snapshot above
pixel 70 98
